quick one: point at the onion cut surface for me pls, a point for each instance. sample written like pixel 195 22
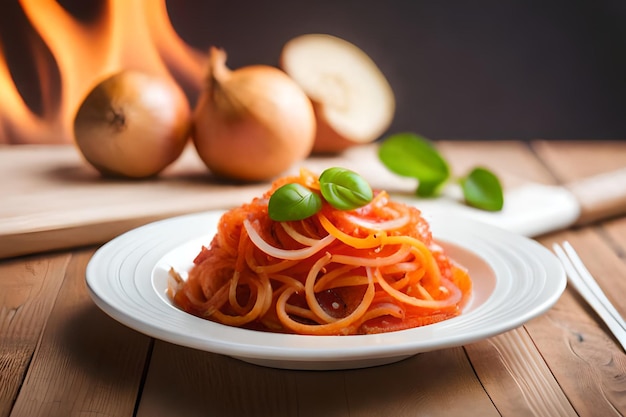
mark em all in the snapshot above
pixel 370 270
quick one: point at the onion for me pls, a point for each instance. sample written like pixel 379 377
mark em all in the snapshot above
pixel 298 237
pixel 251 124
pixel 454 298
pixel 285 253
pixel 354 103
pixel 132 124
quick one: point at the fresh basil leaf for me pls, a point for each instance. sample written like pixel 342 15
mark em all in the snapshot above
pixel 427 189
pixel 411 155
pixel 344 189
pixel 482 189
pixel 293 202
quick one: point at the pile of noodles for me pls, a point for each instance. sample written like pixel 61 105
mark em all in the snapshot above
pixel 369 270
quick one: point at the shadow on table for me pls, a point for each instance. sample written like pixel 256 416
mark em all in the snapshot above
pixel 189 382
pixel 105 351
pixel 183 381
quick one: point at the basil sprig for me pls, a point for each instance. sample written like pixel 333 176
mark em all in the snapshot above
pixel 293 202
pixel 341 188
pixel 411 155
pixel 482 189
pixel 345 189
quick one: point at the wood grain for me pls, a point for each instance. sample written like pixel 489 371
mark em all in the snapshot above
pixel 576 345
pixel 582 356
pixel 60 355
pixel 508 365
pixel 419 386
pixel 595 172
pixel 516 376
pixel 616 233
pixel 574 160
pixel 539 390
pixel 85 363
pixel 183 381
pixel 514 162
pixel 188 382
pixel 28 291
pixel 54 200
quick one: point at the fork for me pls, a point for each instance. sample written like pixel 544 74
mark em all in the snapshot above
pixel 580 277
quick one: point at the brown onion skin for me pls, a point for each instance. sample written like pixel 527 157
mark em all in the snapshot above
pixel 253 123
pixel 133 125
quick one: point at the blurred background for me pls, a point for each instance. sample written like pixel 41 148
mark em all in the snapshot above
pixel 460 69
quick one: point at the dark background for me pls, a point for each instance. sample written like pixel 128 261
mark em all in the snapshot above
pixel 460 69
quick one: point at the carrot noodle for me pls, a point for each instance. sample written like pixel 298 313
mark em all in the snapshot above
pixel 374 269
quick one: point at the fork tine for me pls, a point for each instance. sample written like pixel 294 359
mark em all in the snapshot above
pixel 585 284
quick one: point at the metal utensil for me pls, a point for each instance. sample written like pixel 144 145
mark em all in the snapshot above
pixel 580 277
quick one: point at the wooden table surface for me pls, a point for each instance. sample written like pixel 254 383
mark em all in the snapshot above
pixel 62 356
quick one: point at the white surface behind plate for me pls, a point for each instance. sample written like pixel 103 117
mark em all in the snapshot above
pixel 530 210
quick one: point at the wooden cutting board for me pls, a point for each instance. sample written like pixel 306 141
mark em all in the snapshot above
pixel 52 199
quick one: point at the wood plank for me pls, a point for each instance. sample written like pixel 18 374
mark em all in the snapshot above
pixel 553 351
pixel 85 363
pixel 579 349
pixel 28 290
pixel 514 162
pixel 439 383
pixel 576 345
pixel 519 381
pixel 188 382
pixel 616 233
pixel 246 388
pixel 595 172
pixel 500 361
pixel 53 200
pixel 574 160
pixel 184 381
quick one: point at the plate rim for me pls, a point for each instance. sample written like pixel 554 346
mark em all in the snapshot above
pixel 284 356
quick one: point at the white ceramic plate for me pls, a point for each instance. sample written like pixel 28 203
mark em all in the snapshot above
pixel 515 279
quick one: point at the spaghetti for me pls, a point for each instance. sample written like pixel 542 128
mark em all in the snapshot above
pixel 369 270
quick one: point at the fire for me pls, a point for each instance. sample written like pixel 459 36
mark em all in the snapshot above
pixel 127 34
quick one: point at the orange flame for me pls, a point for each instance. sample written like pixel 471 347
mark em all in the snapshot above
pixel 127 34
